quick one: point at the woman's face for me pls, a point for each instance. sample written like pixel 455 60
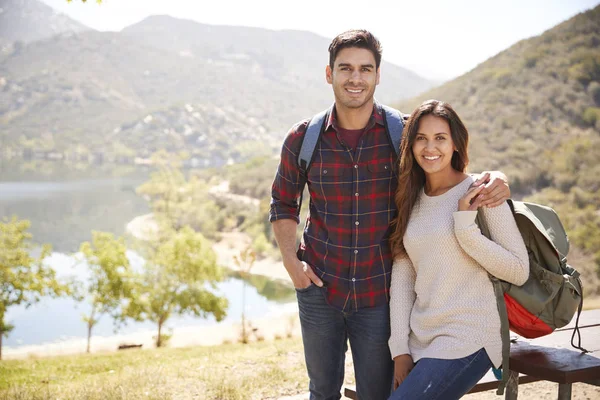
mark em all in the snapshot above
pixel 433 146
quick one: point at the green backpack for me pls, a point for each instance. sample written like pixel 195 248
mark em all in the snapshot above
pixel 553 292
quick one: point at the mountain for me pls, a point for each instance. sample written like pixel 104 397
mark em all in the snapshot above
pixel 71 93
pixel 296 58
pixel 533 111
pixel 30 20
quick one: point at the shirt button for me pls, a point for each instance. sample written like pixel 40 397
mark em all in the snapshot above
pixel 385 167
pixel 356 194
pixel 355 251
pixel 353 279
pixel 356 223
pixel 324 171
pixel 355 166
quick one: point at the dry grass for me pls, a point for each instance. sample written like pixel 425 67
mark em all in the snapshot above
pixel 264 370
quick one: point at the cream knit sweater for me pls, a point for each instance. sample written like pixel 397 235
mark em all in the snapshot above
pixel 442 302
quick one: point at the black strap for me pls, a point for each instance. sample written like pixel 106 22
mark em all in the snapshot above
pixel 576 330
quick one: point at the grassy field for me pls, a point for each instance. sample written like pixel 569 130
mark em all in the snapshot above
pixel 262 370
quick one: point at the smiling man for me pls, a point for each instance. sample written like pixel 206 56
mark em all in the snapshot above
pixel 342 269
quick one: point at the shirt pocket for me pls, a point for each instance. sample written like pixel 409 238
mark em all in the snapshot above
pixel 380 168
pixel 327 174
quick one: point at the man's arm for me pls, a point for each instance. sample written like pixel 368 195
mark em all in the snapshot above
pixel 285 208
pixel 496 190
pixel 285 235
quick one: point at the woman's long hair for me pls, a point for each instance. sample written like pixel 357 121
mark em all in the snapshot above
pixel 411 178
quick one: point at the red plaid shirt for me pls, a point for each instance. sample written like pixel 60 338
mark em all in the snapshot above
pixel 346 237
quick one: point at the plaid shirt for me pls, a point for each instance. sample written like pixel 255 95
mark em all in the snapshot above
pixel 346 237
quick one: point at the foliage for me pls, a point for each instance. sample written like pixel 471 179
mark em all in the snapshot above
pixel 244 262
pixel 177 201
pixel 177 280
pixel 110 278
pixel 24 279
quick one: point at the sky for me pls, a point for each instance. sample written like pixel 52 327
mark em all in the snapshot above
pixel 437 39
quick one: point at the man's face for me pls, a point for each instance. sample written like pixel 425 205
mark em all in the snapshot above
pixel 354 77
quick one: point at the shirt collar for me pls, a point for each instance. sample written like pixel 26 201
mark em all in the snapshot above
pixel 376 116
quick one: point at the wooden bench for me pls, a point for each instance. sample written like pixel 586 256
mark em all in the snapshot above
pixel 550 358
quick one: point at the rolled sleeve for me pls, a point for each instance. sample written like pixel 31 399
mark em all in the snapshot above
pixel 289 182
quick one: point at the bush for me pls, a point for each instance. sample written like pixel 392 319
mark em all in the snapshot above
pixel 591 115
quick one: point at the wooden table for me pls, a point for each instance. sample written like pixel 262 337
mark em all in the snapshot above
pixel 550 358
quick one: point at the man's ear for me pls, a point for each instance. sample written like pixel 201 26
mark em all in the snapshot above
pixel 378 75
pixel 329 74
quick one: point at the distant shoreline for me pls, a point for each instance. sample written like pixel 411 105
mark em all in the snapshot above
pixel 267 328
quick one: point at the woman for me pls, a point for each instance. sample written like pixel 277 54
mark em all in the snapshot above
pixel 445 327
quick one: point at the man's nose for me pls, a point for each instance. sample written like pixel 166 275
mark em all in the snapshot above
pixel 355 76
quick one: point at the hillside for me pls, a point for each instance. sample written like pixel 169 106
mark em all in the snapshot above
pixel 533 111
pixel 70 94
pixel 27 21
pixel 538 96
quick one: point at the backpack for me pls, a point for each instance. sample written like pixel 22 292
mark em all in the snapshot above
pixel 393 121
pixel 552 294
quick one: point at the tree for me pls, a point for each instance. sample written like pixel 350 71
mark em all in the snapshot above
pixel 175 282
pixel 177 201
pixel 244 262
pixel 109 282
pixel 24 280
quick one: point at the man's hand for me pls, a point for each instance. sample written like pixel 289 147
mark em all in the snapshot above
pixel 403 364
pixel 302 275
pixel 495 191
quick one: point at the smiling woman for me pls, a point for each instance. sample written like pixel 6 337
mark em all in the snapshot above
pixel 443 311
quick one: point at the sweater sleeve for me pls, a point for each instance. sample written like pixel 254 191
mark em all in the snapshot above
pixel 505 256
pixel 402 298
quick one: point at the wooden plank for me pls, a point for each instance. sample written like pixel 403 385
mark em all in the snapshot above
pixel 554 364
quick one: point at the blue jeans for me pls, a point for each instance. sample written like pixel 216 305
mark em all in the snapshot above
pixel 325 334
pixel 434 378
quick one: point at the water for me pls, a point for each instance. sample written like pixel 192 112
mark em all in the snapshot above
pixel 64 206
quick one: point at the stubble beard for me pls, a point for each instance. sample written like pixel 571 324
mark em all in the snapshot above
pixel 349 103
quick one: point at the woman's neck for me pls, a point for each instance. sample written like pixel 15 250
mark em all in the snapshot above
pixel 440 182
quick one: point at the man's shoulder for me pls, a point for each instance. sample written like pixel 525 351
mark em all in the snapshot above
pixel 394 109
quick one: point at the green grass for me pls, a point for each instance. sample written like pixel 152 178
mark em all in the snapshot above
pixel 263 370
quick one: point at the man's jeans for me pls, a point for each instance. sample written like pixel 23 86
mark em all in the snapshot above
pixel 325 333
pixel 434 378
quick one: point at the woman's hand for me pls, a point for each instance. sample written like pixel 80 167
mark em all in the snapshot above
pixel 403 364
pixel 471 201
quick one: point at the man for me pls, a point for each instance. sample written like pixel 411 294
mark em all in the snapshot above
pixel 342 269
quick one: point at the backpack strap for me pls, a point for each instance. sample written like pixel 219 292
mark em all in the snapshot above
pixel 394 125
pixel 313 133
pixel 503 375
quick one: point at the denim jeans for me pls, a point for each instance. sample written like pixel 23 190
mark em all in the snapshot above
pixel 325 334
pixel 434 378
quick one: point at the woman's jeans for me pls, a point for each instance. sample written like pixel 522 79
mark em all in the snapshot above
pixel 434 378
pixel 326 332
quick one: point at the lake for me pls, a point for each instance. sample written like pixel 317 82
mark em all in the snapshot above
pixel 64 205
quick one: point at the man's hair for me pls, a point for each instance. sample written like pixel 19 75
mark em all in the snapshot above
pixel 360 38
